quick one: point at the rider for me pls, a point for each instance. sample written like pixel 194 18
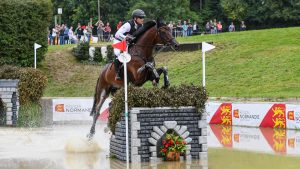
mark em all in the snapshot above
pixel 125 32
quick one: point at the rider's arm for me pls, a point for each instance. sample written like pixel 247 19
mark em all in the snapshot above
pixel 121 32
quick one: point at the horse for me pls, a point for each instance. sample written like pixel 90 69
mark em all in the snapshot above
pixel 141 67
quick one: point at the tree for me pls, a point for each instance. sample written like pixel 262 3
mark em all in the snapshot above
pixel 235 9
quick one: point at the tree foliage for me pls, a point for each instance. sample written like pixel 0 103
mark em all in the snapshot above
pixel 258 13
pixel 23 23
pixel 235 9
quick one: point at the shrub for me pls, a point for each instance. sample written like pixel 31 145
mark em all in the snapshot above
pixel 98 55
pixel 81 52
pixel 30 115
pixel 184 95
pixel 31 85
pixel 23 23
pixel 110 53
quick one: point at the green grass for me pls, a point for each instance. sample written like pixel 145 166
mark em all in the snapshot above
pixel 261 63
pixel 233 159
pixel 30 115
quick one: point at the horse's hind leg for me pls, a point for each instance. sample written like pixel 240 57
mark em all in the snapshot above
pixel 164 70
pixel 104 94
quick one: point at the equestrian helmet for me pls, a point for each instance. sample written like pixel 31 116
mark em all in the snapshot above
pixel 138 13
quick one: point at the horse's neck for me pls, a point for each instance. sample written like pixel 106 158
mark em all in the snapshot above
pixel 146 43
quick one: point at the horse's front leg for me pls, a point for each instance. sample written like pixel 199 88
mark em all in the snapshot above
pixel 103 96
pixel 164 70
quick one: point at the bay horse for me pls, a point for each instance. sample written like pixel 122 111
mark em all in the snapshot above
pixel 141 67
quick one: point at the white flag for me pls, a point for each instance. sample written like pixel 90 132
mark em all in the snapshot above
pixel 36 46
pixel 207 47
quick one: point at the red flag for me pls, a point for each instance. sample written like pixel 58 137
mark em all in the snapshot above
pixel 121 45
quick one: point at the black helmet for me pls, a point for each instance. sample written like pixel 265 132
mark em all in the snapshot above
pixel 138 13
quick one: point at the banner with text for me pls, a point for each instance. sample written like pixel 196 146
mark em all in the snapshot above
pixel 75 109
pixel 275 115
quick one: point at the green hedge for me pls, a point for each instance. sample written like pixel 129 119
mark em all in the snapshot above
pixel 98 55
pixel 31 85
pixel 184 95
pixel 81 51
pixel 23 23
pixel 110 53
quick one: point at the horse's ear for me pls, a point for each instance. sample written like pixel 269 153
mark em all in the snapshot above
pixel 159 22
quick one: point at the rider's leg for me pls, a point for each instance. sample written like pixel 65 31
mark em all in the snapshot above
pixel 117 63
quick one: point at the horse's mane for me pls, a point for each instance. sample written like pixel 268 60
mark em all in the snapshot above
pixel 146 26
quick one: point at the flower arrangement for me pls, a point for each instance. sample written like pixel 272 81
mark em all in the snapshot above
pixel 172 143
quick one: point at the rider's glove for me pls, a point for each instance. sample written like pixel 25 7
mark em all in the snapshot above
pixel 129 38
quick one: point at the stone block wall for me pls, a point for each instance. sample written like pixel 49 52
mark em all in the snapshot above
pixel 10 99
pixel 147 127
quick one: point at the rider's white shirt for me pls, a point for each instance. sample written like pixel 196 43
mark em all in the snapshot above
pixel 120 34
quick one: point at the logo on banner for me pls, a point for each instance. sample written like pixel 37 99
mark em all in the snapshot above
pixel 223 115
pixel 291 142
pixel 275 117
pixel 236 138
pixel 60 108
pixel 236 113
pixel 223 134
pixel 276 138
pixel 291 115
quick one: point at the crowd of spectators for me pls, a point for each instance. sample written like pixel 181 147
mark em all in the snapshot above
pixel 62 34
pixel 213 27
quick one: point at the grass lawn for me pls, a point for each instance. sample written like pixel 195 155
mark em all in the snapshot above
pixel 260 63
pixel 234 159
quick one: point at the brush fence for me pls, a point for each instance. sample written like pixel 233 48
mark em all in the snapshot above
pixel 147 128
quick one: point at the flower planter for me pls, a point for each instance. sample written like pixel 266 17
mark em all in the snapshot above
pixel 172 156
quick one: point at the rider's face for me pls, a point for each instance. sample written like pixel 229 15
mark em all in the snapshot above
pixel 139 20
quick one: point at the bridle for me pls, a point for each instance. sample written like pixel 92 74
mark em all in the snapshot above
pixel 167 42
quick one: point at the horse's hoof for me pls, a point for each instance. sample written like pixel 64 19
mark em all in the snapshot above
pixel 90 136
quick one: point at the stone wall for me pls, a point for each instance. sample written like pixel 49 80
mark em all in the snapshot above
pixel 10 98
pixel 147 127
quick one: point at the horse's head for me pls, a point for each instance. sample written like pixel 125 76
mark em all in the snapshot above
pixel 165 35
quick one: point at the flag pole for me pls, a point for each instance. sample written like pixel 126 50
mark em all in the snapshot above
pixel 203 69
pixel 126 108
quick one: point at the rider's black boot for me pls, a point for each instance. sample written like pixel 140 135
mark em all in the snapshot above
pixel 117 69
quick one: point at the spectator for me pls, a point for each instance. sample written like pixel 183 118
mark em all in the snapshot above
pixel 79 32
pixel 190 29
pixel 243 26
pixel 231 27
pixel 195 28
pixel 100 29
pixel 119 25
pixel 170 25
pixel 184 29
pixel 61 34
pixel 72 37
pixel 219 27
pixel 89 32
pixel 179 29
pixel 215 26
pixel 66 36
pixel 211 25
pixel 207 27
pixel 107 31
